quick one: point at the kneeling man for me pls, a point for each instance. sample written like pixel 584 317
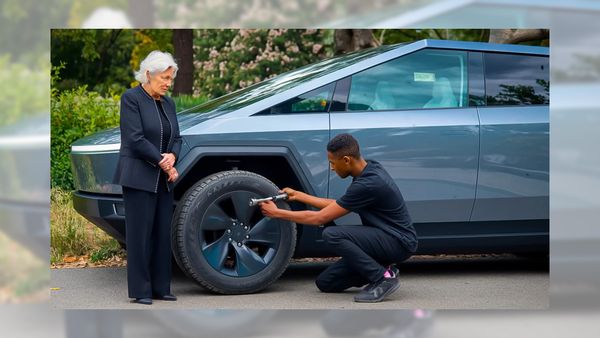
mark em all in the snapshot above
pixel 368 251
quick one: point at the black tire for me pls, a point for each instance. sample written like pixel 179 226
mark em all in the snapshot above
pixel 225 245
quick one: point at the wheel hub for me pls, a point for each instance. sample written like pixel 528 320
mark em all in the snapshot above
pixel 238 233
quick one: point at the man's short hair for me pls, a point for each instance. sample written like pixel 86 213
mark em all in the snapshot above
pixel 344 145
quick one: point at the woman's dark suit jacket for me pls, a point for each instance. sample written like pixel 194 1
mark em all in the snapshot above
pixel 141 138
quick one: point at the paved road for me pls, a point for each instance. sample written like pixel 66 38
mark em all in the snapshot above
pixel 504 282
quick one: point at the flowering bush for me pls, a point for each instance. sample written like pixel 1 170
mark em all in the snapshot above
pixel 227 60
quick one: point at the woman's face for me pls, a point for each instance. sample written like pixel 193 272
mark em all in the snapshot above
pixel 160 82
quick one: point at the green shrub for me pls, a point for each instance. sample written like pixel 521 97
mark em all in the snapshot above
pixel 183 102
pixel 74 114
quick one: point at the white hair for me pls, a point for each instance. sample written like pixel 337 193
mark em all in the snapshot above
pixel 155 62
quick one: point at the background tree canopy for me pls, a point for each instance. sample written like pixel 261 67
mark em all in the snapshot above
pixel 225 60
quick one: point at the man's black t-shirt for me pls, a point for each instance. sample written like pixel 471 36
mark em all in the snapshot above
pixel 375 197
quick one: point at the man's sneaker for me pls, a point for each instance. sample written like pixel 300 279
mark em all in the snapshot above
pixel 391 272
pixel 377 291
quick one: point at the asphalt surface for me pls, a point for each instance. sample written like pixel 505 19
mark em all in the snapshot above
pixel 455 282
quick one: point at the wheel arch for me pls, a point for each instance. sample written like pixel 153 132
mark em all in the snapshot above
pixel 200 161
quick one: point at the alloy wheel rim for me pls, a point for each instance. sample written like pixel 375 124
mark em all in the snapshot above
pixel 236 239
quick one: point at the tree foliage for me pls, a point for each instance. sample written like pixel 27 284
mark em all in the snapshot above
pixel 534 37
pixel 97 59
pixel 147 40
pixel 392 36
pixel 103 60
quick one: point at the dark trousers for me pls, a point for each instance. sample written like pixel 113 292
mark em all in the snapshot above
pixel 366 252
pixel 148 230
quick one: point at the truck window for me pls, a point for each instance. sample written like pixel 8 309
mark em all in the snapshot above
pixel 429 78
pixel 512 79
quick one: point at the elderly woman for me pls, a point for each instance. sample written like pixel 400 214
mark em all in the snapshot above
pixel 150 144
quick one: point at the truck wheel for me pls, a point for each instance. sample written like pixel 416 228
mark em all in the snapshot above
pixel 225 245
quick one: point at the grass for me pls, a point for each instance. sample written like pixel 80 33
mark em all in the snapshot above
pixel 73 235
pixel 105 251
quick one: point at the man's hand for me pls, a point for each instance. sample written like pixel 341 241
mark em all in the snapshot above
pixel 167 162
pixel 173 174
pixel 292 194
pixel 269 209
pixel 309 217
pixel 302 197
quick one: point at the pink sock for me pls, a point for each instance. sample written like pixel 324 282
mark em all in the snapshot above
pixel 387 274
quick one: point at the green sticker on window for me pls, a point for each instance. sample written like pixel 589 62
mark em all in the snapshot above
pixel 424 77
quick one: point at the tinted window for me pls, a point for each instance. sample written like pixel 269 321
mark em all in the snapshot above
pixel 425 79
pixel 315 101
pixel 516 79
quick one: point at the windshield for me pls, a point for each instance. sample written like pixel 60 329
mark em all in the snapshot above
pixel 277 84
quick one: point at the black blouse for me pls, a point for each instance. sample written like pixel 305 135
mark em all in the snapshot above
pixel 166 127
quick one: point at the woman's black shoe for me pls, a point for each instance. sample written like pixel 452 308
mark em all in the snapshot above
pixel 144 301
pixel 168 297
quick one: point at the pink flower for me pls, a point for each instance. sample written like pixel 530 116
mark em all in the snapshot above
pixel 316 48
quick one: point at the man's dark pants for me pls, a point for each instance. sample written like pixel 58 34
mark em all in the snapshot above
pixel 148 230
pixel 365 251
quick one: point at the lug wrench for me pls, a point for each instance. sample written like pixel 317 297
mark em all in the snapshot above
pixel 280 197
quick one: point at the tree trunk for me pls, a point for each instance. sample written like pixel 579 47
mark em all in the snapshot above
pixel 184 56
pixel 517 35
pixel 348 40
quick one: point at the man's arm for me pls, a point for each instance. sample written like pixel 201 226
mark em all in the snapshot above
pixel 305 198
pixel 323 216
